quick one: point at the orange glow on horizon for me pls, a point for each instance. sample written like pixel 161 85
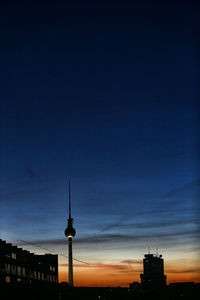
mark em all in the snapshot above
pixel 118 275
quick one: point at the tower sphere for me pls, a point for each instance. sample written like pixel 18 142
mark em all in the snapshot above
pixel 70 231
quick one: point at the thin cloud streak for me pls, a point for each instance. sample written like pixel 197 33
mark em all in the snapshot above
pixel 131 261
pixel 190 186
pixel 156 224
pixel 117 238
pixel 106 267
pixel 126 267
pixel 194 270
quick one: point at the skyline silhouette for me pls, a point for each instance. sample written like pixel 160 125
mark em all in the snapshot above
pixel 105 94
pixel 153 276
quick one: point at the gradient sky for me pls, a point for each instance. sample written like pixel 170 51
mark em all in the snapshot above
pixel 105 94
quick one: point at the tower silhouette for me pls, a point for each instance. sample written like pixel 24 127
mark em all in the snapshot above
pixel 153 276
pixel 70 233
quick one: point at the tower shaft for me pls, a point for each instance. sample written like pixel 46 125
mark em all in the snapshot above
pixel 70 263
pixel 70 233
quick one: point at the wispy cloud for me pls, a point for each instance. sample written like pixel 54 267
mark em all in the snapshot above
pixel 118 238
pixel 187 187
pixel 152 224
pixel 105 267
pixel 132 261
pixel 125 267
pixel 191 270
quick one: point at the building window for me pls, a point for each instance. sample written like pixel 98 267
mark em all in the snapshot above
pixel 7 267
pixel 35 275
pixel 23 272
pixel 19 273
pixel 50 268
pixel 13 268
pixel 13 255
pixel 7 279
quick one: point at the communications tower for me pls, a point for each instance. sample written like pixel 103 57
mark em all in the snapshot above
pixel 70 233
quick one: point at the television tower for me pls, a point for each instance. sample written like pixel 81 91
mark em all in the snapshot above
pixel 70 233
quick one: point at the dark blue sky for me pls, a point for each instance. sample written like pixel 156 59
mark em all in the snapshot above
pixel 106 94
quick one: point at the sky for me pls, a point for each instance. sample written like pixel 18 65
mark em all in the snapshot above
pixel 106 94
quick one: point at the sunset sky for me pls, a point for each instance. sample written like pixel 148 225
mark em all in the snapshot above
pixel 105 94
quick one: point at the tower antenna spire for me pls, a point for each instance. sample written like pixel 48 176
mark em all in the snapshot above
pixel 69 201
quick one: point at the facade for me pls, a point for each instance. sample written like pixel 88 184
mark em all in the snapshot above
pixel 153 271
pixel 18 265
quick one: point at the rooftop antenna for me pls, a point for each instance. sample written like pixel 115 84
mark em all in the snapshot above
pixel 157 251
pixel 148 249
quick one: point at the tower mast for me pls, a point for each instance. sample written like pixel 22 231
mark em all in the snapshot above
pixel 70 233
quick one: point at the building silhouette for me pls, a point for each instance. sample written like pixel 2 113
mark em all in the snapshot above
pixel 153 271
pixel 70 233
pixel 18 265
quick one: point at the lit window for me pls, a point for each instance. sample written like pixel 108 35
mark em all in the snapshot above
pixel 7 279
pixel 13 255
pixel 19 271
